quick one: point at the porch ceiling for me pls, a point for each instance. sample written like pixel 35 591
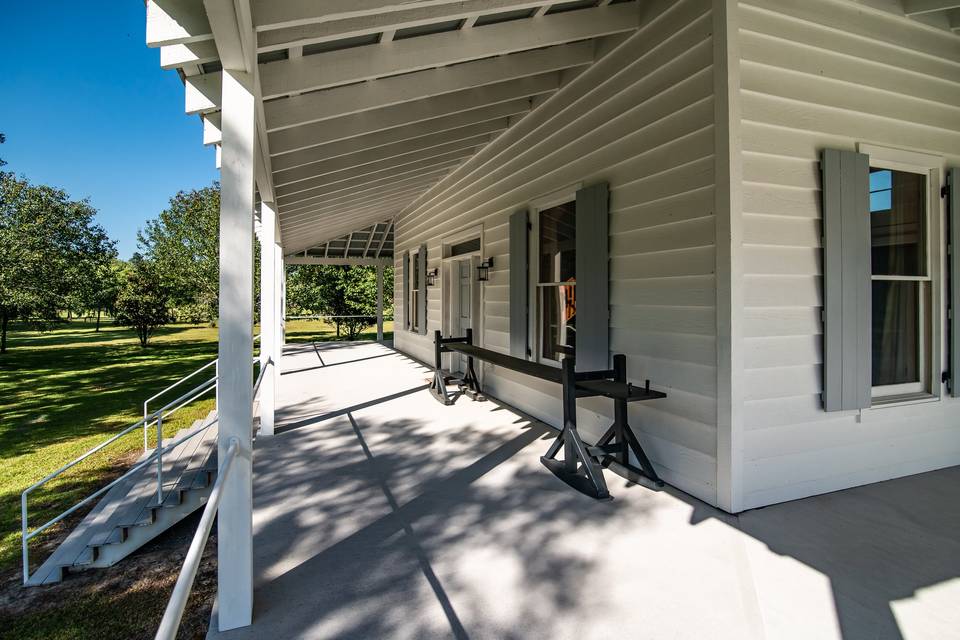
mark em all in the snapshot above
pixel 364 246
pixel 366 104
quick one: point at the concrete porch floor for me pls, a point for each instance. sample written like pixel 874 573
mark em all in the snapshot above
pixel 379 513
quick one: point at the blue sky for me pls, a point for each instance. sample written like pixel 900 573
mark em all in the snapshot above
pixel 86 107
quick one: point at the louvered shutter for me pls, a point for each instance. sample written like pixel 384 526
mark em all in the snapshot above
pixel 846 280
pixel 406 290
pixel 593 278
pixel 422 296
pixel 953 217
pixel 519 248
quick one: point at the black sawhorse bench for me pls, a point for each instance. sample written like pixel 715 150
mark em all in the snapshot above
pixel 581 466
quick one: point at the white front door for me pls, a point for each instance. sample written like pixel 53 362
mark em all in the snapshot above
pixel 462 315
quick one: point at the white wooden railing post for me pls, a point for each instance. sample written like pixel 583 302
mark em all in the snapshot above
pixel 379 302
pixel 268 314
pixel 235 404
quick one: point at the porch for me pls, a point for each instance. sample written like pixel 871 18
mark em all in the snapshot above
pixel 379 513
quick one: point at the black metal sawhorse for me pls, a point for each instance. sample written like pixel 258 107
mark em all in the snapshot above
pixel 469 384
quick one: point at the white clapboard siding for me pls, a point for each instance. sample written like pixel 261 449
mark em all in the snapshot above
pixel 641 118
pixel 818 74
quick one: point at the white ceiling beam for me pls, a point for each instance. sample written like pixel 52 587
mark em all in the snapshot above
pixel 178 56
pixel 346 249
pixel 176 22
pixel 334 226
pixel 274 14
pixel 349 218
pixel 311 135
pixel 330 30
pixel 337 261
pixel 336 169
pixel 414 54
pixel 384 180
pixel 433 164
pixel 212 133
pixel 383 240
pixel 392 136
pixel 397 150
pixel 370 233
pixel 202 93
pixel 539 13
pixel 383 92
pixel 917 7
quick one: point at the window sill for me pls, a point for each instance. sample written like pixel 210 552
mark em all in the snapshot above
pixel 905 399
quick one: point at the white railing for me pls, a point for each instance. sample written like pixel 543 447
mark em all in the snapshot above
pixel 173 614
pixel 149 419
pixel 181 590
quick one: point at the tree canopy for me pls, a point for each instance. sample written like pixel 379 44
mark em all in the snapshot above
pixel 142 302
pixel 338 291
pixel 49 247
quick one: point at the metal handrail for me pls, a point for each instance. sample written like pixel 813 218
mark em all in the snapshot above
pixel 173 614
pixel 176 384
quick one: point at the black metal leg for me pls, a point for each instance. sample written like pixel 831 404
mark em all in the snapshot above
pixel 439 386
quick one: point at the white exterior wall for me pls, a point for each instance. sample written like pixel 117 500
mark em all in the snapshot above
pixel 815 74
pixel 641 118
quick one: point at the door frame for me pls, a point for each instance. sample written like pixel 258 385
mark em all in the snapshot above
pixel 449 283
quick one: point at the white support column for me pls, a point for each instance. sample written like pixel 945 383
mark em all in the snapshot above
pixel 278 304
pixel 268 315
pixel 235 386
pixel 379 302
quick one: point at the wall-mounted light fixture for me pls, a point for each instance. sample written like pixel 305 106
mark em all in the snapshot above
pixel 432 276
pixel 483 270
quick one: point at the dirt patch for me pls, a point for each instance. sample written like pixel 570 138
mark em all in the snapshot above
pixel 120 602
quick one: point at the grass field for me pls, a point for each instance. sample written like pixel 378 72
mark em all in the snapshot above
pixel 65 390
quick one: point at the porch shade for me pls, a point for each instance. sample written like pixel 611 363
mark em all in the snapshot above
pixel 953 216
pixel 846 280
pixel 519 248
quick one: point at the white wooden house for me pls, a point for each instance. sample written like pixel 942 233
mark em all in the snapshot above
pixel 772 179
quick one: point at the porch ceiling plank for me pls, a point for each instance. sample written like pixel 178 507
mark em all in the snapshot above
pixel 352 27
pixel 312 235
pixel 334 261
pixel 439 126
pixel 345 66
pixel 176 22
pixel 447 152
pixel 385 180
pixel 271 14
pixel 373 207
pixel 347 201
pixel 396 150
pixel 177 56
pixel 383 92
pixel 917 7
pixel 383 240
pixel 516 92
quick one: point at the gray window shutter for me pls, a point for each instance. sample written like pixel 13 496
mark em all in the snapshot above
pixel 519 248
pixel 422 297
pixel 953 218
pixel 846 280
pixel 406 290
pixel 593 278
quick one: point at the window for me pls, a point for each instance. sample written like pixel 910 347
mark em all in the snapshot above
pixel 556 317
pixel 412 306
pixel 901 282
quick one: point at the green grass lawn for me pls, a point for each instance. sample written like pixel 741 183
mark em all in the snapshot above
pixel 65 390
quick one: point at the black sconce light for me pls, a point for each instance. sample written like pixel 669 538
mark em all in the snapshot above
pixel 483 270
pixel 432 277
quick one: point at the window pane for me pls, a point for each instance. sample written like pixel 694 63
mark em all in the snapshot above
pixel 466 246
pixel 558 243
pixel 558 319
pixel 896 332
pixel 898 207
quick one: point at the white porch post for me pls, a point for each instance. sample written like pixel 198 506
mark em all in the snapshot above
pixel 235 387
pixel 379 302
pixel 278 304
pixel 268 315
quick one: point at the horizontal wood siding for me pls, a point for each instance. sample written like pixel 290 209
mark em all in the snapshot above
pixel 816 74
pixel 641 119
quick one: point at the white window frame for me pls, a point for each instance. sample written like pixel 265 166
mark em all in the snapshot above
pixel 533 318
pixel 931 302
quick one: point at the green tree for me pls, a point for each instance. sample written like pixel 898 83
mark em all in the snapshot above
pixel 338 291
pixel 143 299
pixel 100 292
pixel 49 245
